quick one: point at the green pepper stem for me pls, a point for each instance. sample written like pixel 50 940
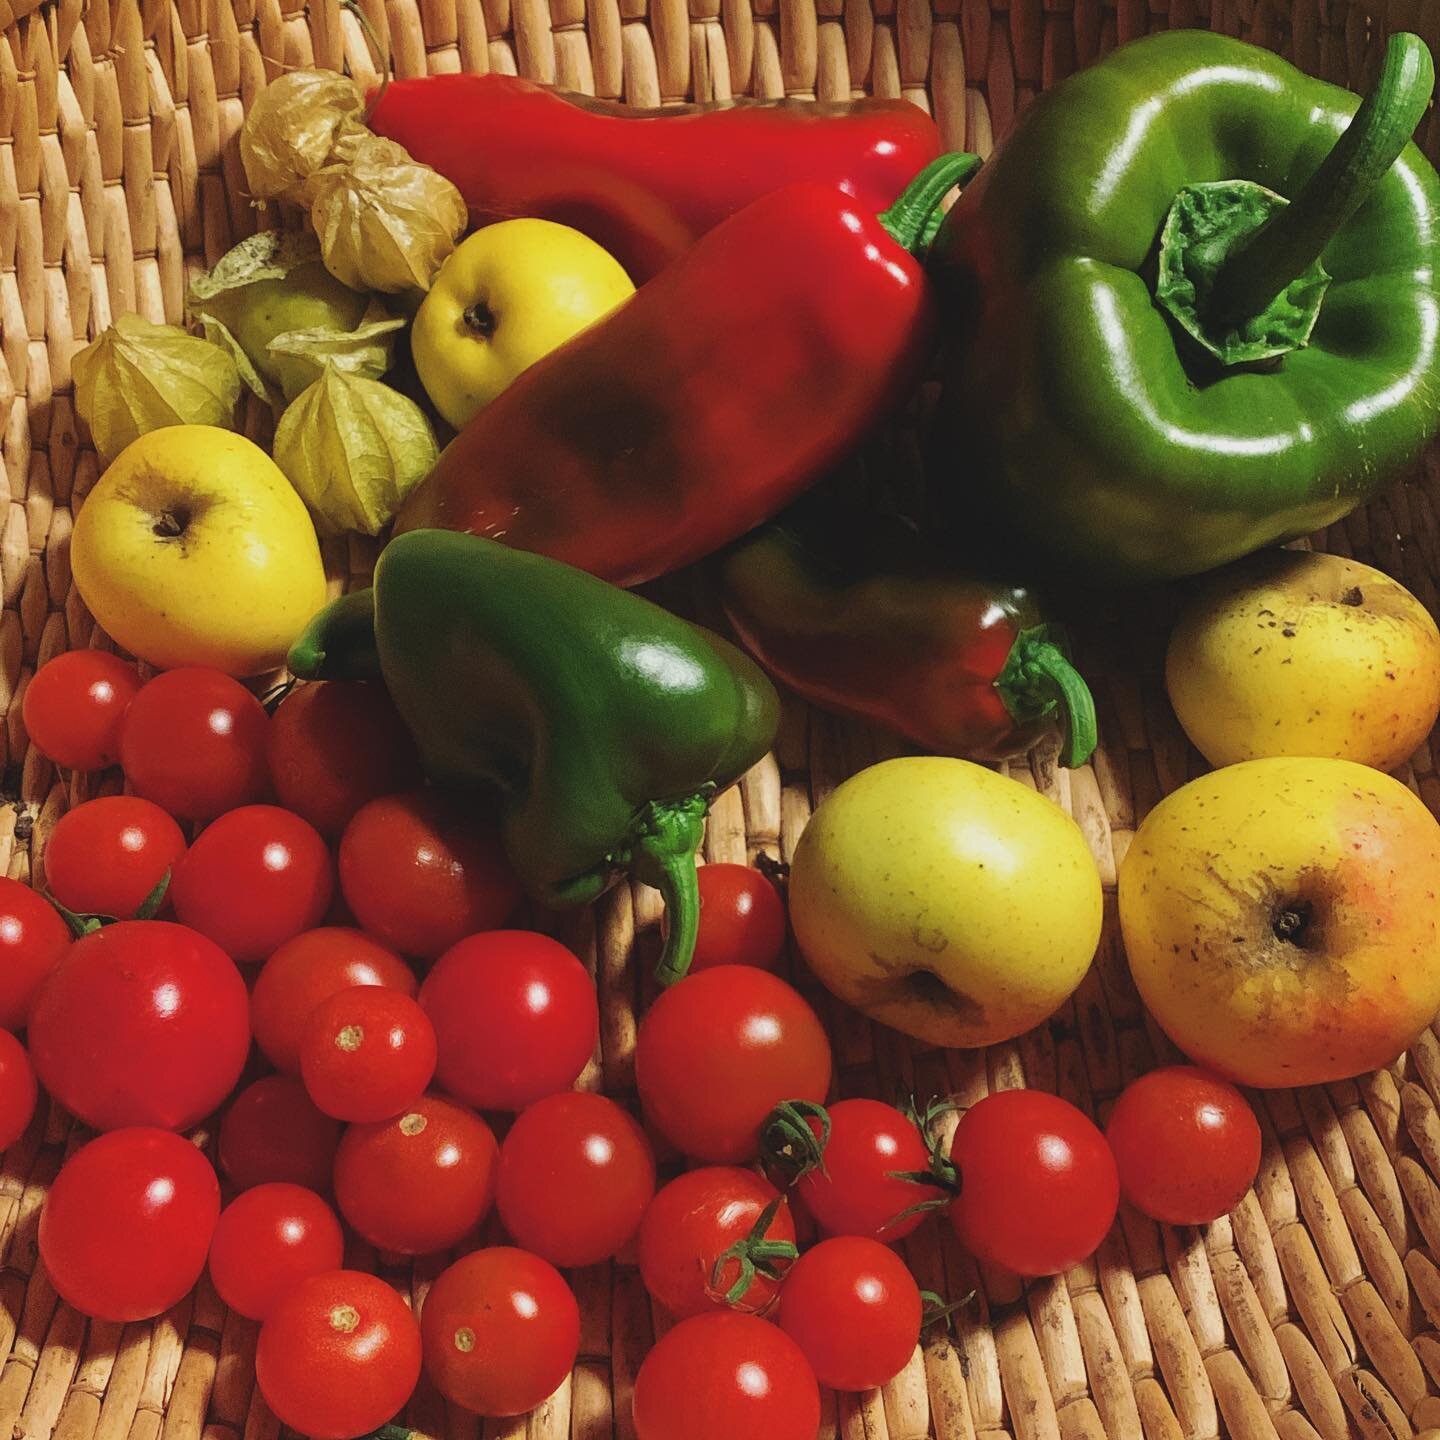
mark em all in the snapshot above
pixel 914 217
pixel 664 844
pixel 1259 268
pixel 1038 678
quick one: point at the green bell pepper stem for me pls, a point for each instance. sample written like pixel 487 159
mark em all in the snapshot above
pixel 1259 268
pixel 665 840
pixel 339 641
pixel 915 216
pixel 1037 678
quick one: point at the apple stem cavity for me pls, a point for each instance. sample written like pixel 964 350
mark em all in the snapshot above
pixel 480 318
pixel 1353 596
pixel 172 524
pixel 1292 922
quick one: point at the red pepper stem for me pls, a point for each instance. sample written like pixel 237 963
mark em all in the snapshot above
pixel 665 840
pixel 1038 678
pixel 1265 263
pixel 910 221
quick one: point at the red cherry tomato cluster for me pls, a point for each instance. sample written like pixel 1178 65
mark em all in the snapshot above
pixel 359 1107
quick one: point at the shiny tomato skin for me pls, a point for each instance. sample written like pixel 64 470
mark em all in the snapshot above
pixel 335 745
pixel 105 857
pixel 308 969
pixel 75 707
pixel 854 1309
pixel 856 1192
pixel 742 919
pixel 18 1090
pixel 422 870
pixel 269 1239
pixel 722 1376
pixel 338 1356
pixel 143 1022
pixel 1186 1143
pixel 367 1053
pixel 691 1223
pixel 576 1173
pixel 127 1223
pixel 253 879
pixel 501 1330
pixel 515 1015
pixel 1038 1186
pixel 272 1133
pixel 194 742
pixel 419 1182
pixel 33 937
pixel 718 1051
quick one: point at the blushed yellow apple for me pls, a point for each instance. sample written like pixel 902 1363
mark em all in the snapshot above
pixel 945 900
pixel 1295 653
pixel 1282 919
pixel 508 295
pixel 194 549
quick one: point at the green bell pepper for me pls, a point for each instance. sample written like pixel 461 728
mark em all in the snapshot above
pixel 605 723
pixel 1192 308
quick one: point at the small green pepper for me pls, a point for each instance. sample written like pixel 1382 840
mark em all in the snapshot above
pixel 605 722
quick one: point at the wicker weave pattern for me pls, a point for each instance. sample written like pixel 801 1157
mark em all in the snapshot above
pixel 1312 1311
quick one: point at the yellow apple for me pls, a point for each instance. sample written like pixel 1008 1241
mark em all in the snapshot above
pixel 194 549
pixel 1282 919
pixel 1293 653
pixel 507 296
pixel 945 900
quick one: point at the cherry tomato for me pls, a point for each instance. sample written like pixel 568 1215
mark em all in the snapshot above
pixel 194 743
pixel 719 1051
pixel 18 1091
pixel 742 919
pixel 268 1239
pixel 336 745
pixel 311 968
pixel 855 1191
pixel 1038 1188
pixel 127 1223
pixel 107 856
pixel 501 1330
pixel 420 1181
pixel 854 1309
pixel 696 1219
pixel 1186 1143
pixel 272 1133
pixel 576 1173
pixel 75 707
pixel 33 937
pixel 254 879
pixel 721 1376
pixel 515 1015
pixel 421 871
pixel 338 1356
pixel 141 1023
pixel 367 1053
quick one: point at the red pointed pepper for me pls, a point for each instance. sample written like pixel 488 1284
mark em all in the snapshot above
pixel 712 397
pixel 644 183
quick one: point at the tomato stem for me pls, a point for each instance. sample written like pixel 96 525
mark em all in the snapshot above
pixel 788 1143
pixel 755 1255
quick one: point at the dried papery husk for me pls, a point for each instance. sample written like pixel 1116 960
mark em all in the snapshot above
pixel 354 449
pixel 138 376
pixel 292 128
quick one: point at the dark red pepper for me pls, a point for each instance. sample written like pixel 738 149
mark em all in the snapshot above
pixel 645 183
pixel 849 608
pixel 711 398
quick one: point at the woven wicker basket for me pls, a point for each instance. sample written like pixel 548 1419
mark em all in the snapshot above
pixel 1313 1309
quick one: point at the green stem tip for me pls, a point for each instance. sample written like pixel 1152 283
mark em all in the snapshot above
pixel 1038 680
pixel 1261 266
pixel 915 216
pixel 664 843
